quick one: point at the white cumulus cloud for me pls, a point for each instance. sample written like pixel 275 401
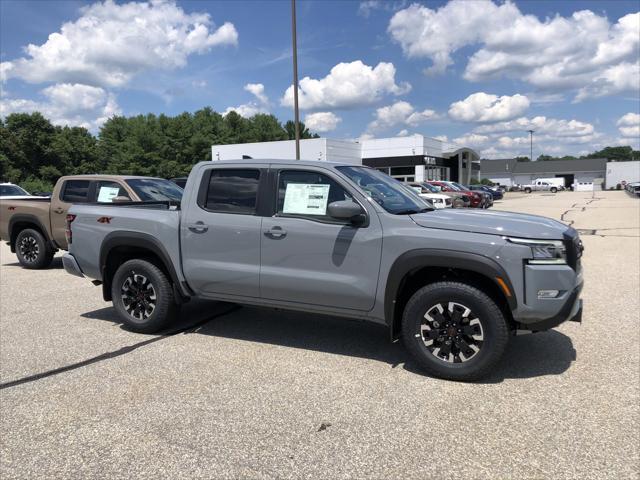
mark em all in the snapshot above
pixel 629 126
pixel 322 121
pixel 67 104
pixel 347 85
pixel 483 107
pixel 112 42
pixel 583 52
pixel 249 109
pixel 399 113
pixel 257 89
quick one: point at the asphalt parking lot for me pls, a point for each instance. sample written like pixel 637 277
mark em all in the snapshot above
pixel 250 393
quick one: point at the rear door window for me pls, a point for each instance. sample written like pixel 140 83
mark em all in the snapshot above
pixel 75 191
pixel 233 190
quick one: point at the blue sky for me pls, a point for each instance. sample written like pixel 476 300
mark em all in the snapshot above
pixel 478 73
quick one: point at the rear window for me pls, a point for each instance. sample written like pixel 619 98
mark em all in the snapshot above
pixel 233 191
pixel 76 191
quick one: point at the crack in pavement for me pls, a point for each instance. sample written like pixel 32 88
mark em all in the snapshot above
pixel 573 208
pixel 116 353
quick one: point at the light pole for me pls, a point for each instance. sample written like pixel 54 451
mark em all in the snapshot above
pixel 295 78
pixel 531 132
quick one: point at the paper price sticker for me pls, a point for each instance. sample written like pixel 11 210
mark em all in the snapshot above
pixel 306 199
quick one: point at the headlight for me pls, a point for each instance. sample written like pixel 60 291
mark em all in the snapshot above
pixel 544 252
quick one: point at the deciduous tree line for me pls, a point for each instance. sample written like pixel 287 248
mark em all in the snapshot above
pixel 34 152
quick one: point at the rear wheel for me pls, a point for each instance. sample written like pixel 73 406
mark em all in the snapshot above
pixel 454 331
pixel 554 189
pixel 143 296
pixel 33 250
pixel 527 190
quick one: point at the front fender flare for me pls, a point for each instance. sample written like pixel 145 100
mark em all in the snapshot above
pixel 431 257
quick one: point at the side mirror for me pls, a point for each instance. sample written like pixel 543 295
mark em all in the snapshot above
pixel 346 210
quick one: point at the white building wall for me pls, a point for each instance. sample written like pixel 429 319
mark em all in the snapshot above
pixel 310 149
pixel 501 180
pixel 393 147
pixel 617 172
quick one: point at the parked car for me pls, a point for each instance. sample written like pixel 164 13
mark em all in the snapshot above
pixel 495 193
pixel 459 199
pixel 319 237
pixel 633 188
pixel 34 227
pixel 9 190
pixel 438 200
pixel 478 199
pixel 487 201
pixel 539 186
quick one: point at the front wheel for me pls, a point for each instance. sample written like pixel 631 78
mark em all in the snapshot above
pixel 454 331
pixel 33 250
pixel 143 296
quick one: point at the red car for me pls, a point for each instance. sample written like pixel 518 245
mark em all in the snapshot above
pixel 477 199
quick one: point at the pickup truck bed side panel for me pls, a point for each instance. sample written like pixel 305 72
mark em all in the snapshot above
pixel 15 211
pixel 89 235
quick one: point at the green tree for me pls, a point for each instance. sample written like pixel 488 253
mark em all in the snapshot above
pixel 304 131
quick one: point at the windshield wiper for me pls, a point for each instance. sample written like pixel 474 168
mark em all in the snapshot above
pixel 413 211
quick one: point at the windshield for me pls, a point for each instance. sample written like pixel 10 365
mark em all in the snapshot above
pixel 155 189
pixel 431 188
pixel 460 188
pixel 387 192
pixel 11 191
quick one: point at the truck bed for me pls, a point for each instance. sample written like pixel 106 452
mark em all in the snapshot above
pixel 97 223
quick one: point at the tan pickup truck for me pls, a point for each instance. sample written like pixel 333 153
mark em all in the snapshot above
pixel 35 228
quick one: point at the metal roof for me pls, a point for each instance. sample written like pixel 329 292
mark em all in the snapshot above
pixel 511 166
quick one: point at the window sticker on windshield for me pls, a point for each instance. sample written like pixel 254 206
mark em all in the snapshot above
pixel 306 199
pixel 107 194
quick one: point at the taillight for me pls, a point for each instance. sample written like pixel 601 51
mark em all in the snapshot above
pixel 67 231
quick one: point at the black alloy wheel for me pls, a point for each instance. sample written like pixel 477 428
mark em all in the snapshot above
pixel 452 332
pixel 138 296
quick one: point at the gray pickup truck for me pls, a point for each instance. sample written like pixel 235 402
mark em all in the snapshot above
pixel 335 239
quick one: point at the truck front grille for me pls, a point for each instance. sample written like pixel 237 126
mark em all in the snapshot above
pixel 574 247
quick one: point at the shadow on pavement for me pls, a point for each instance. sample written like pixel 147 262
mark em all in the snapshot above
pixel 527 356
pixel 55 264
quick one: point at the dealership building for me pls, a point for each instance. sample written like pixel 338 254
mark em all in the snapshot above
pixel 411 158
pixel 583 171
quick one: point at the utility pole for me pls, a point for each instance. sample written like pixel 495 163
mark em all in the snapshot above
pixel 531 132
pixel 295 78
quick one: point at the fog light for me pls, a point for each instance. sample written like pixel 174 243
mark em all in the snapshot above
pixel 548 293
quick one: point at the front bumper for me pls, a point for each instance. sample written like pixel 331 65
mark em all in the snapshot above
pixel 71 266
pixel 571 311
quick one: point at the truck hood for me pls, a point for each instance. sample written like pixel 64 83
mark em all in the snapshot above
pixel 492 223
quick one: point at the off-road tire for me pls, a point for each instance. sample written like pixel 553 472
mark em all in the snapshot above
pixel 493 327
pixel 160 293
pixel 33 250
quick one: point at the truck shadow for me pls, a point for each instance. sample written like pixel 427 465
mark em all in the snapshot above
pixel 528 356
pixel 56 264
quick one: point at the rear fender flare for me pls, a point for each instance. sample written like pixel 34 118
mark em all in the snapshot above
pixel 144 241
pixel 26 218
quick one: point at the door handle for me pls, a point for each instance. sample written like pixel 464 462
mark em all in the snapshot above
pixel 198 227
pixel 58 210
pixel 275 233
